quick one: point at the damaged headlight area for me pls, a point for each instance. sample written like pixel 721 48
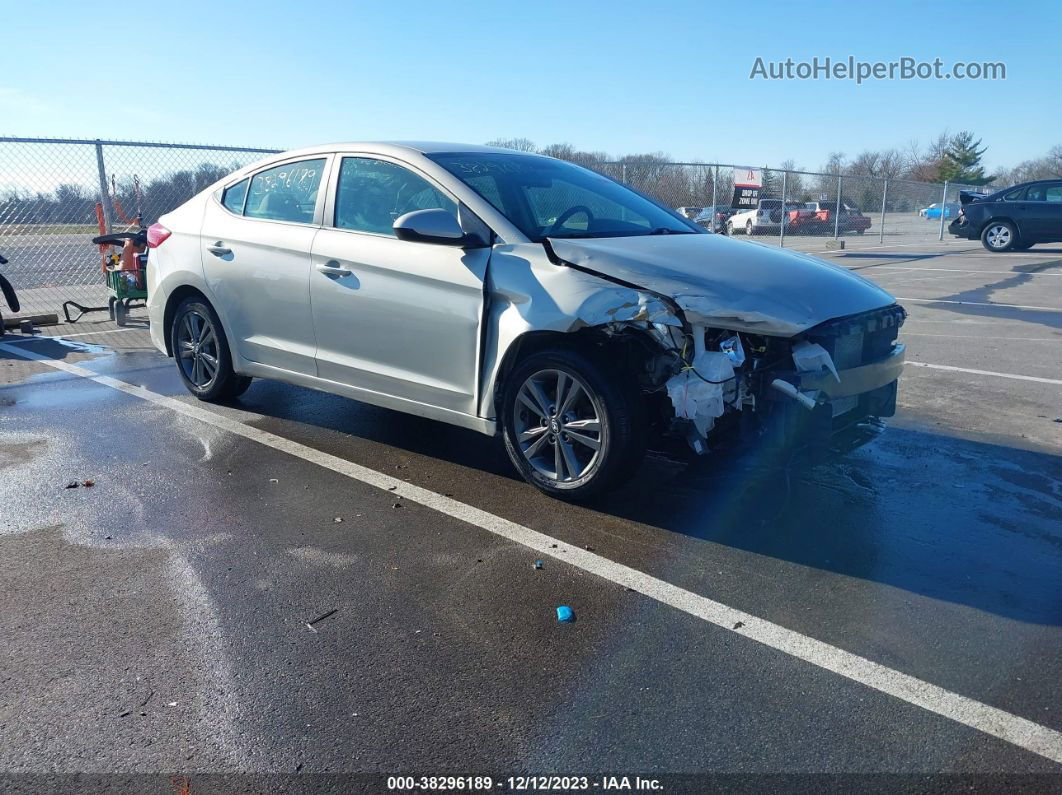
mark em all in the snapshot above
pixel 809 388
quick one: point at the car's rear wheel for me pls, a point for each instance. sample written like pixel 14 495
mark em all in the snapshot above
pixel 999 236
pixel 730 228
pixel 748 228
pixel 202 353
pixel 572 426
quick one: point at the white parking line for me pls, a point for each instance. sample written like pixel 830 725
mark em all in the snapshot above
pixel 71 336
pixel 980 303
pixel 935 243
pixel 931 269
pixel 1010 728
pixel 907 278
pixel 1014 376
pixel 994 338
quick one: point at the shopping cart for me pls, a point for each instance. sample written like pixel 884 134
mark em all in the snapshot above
pixel 124 270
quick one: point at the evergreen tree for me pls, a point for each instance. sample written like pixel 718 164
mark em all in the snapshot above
pixel 962 161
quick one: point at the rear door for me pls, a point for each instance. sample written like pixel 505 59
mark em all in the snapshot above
pixel 1044 211
pixel 395 317
pixel 256 257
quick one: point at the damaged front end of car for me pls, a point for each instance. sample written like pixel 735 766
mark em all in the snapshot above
pixel 825 388
pixel 713 375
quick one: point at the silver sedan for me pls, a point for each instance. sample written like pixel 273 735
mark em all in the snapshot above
pixel 516 295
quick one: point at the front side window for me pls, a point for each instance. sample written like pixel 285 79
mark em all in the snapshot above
pixel 1035 193
pixel 285 193
pixel 234 196
pixel 371 194
pixel 544 197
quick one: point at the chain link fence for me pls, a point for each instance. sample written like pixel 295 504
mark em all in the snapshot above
pixel 51 191
pixel 866 211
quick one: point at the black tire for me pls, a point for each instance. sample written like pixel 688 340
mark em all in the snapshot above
pixel 110 307
pixel 223 383
pixel 999 236
pixel 749 229
pixel 730 228
pixel 121 312
pixel 618 408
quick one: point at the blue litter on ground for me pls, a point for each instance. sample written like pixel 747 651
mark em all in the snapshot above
pixel 565 614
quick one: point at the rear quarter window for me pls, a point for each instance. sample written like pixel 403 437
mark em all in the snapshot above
pixel 234 195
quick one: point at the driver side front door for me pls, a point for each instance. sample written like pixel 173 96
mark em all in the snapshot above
pixel 395 317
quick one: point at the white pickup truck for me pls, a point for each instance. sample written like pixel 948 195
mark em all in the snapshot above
pixel 767 217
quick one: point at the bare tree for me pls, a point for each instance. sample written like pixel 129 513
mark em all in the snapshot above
pixel 794 183
pixel 1047 167
pixel 925 166
pixel 519 144
pixel 593 160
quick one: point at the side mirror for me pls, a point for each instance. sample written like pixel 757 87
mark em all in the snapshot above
pixel 433 226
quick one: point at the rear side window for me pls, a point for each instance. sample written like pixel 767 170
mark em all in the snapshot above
pixel 371 194
pixel 285 193
pixel 1054 193
pixel 234 196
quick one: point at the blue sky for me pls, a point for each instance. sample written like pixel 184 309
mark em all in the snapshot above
pixel 613 76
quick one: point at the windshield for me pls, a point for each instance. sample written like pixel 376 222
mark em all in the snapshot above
pixel 544 198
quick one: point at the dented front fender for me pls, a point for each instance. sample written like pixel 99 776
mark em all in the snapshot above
pixel 526 293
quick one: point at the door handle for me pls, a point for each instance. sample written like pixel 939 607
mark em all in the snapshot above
pixel 333 268
pixel 218 250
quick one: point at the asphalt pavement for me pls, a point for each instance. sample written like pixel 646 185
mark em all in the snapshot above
pixel 244 592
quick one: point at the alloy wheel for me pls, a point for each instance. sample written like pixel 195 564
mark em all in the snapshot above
pixel 557 419
pixel 197 349
pixel 998 236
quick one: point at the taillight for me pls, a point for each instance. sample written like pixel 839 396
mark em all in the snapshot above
pixel 156 235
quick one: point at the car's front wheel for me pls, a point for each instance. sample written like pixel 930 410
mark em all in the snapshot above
pixel 748 228
pixel 573 427
pixel 999 236
pixel 201 349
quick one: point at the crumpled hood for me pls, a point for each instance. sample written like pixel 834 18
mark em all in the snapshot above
pixel 731 284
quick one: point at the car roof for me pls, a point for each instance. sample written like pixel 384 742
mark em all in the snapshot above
pixel 404 147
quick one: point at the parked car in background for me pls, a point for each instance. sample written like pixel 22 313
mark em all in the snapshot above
pixel 714 218
pixel 689 212
pixel 853 220
pixel 1012 219
pixel 519 296
pixel 820 218
pixel 933 211
pixel 765 218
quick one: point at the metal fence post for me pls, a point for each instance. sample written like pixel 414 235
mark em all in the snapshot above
pixel 881 229
pixel 837 211
pixel 781 225
pixel 715 181
pixel 105 199
pixel 943 208
pixel 623 178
